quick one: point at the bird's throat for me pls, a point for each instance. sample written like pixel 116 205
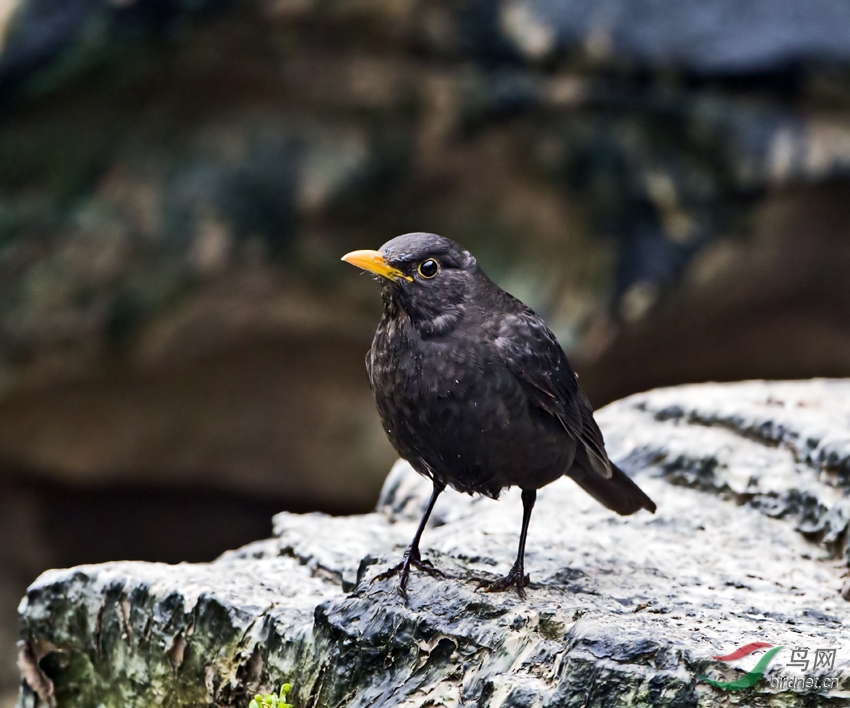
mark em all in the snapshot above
pixel 426 318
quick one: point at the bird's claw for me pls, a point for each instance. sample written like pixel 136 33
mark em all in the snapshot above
pixel 428 567
pixel 516 578
pixel 403 570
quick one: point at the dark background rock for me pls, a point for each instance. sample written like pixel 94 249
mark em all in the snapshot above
pixel 620 610
pixel 665 182
pixel 721 37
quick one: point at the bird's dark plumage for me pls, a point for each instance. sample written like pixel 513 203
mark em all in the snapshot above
pixel 474 390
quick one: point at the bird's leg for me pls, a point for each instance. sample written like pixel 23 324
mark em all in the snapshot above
pixel 516 577
pixel 411 555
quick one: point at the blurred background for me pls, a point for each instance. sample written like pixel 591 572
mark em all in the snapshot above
pixel 181 351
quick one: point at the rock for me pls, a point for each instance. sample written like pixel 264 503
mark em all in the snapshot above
pixel 763 303
pixel 749 544
pixel 778 447
pixel 719 37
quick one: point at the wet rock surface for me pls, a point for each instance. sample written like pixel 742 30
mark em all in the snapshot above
pixel 749 544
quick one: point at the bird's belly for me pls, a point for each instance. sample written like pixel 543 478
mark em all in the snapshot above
pixel 476 437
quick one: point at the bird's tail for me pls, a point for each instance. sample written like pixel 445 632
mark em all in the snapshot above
pixel 618 492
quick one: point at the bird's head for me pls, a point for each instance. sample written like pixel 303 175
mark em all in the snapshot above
pixel 426 276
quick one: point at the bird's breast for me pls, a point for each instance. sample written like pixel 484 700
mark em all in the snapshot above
pixel 414 370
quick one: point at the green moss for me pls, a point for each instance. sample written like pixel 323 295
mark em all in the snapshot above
pixel 270 700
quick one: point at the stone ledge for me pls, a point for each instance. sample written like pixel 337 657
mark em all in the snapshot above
pixel 620 611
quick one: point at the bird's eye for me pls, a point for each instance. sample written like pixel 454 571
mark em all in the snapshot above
pixel 429 268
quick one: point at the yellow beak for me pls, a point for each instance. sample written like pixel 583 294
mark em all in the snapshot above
pixel 374 262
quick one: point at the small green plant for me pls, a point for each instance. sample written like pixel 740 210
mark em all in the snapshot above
pixel 270 700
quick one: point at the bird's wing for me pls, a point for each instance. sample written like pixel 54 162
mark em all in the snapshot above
pixel 591 436
pixel 532 354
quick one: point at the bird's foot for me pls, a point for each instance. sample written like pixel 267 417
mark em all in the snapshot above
pixel 411 559
pixel 516 578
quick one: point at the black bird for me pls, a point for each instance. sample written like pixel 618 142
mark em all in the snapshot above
pixel 474 391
